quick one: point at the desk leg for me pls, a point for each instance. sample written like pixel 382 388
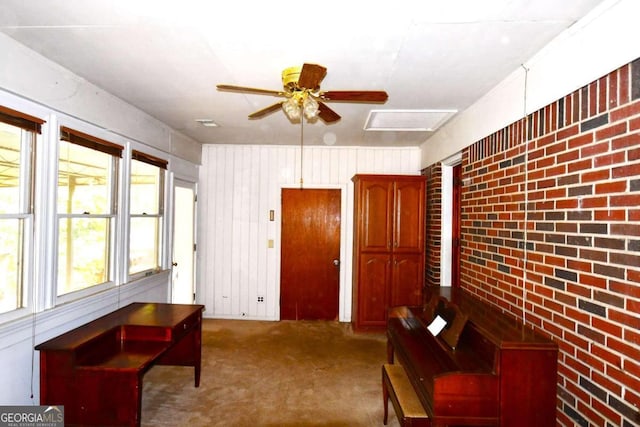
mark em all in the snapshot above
pixel 197 351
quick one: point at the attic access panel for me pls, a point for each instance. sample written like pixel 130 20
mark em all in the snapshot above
pixel 407 120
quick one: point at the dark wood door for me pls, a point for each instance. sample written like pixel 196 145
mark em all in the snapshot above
pixel 310 254
pixel 455 226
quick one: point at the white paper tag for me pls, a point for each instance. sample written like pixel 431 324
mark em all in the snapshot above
pixel 437 325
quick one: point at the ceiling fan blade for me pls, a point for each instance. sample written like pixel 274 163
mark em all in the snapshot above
pixel 355 95
pixel 311 76
pixel 251 90
pixel 327 114
pixel 265 111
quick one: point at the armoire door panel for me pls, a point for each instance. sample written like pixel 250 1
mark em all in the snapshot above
pixel 374 275
pixel 377 218
pixel 408 276
pixel 409 216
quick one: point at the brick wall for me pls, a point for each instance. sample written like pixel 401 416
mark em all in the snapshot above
pixel 551 234
pixel 433 224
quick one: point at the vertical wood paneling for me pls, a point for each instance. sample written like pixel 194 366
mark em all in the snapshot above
pixel 239 185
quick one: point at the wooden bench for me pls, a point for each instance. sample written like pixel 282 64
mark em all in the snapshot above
pixel 397 387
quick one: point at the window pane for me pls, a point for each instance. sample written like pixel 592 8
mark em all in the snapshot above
pixel 84 180
pixel 9 169
pixel 83 253
pixel 144 248
pixel 146 182
pixel 10 264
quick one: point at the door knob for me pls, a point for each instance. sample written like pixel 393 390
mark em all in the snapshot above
pixel 336 262
pixel 175 264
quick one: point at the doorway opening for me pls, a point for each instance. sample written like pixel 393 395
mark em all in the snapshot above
pixel 451 220
pixel 184 246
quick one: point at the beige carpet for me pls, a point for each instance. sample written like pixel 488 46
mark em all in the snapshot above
pixel 285 374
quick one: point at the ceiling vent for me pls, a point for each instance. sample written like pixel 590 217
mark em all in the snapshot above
pixel 407 120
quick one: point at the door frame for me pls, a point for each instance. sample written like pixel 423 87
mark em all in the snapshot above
pixel 186 183
pixel 446 231
pixel 346 242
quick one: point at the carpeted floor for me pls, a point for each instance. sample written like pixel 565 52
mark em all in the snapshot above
pixel 284 374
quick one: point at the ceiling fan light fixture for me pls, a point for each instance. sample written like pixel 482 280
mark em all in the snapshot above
pixel 291 108
pixel 301 103
pixel 310 107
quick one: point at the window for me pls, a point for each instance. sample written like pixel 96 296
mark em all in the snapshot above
pixel 87 190
pixel 146 213
pixel 17 139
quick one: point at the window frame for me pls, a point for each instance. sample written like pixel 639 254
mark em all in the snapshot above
pixel 74 136
pixel 30 137
pixel 162 165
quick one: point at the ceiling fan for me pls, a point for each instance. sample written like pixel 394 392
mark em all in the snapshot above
pixel 301 88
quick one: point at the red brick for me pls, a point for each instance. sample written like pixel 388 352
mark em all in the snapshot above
pixel 627 200
pixel 634 124
pixel 632 336
pixel 623 377
pixel 602 94
pixel 610 215
pixel 625 229
pixel 611 131
pixel 569 131
pixel 577 315
pixel 625 111
pixel 581 140
pixel 624 85
pixel 605 382
pixel 556 148
pixel 624 289
pixel 632 367
pixel 556 193
pixel 612 187
pixel 592 150
pixel 587 411
pixel 597 175
pixel 606 354
pixel 579 165
pixel 607 327
pixel 579 265
pixel 576 365
pixel 606 410
pixel 595 281
pixel 609 159
pixel 568 156
pixel 613 90
pixel 630 140
pixel 594 202
pixel 634 154
pixel 623 348
pixel 593 95
pixel 567 204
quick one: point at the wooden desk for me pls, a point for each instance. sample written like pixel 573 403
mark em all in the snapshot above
pixel 96 370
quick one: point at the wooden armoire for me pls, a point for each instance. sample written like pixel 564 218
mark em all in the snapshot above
pixel 388 256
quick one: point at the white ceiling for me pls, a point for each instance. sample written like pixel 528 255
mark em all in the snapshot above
pixel 166 57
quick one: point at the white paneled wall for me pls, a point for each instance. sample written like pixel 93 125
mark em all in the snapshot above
pixel 239 185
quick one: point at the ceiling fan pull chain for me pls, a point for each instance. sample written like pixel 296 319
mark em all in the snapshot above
pixel 301 146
